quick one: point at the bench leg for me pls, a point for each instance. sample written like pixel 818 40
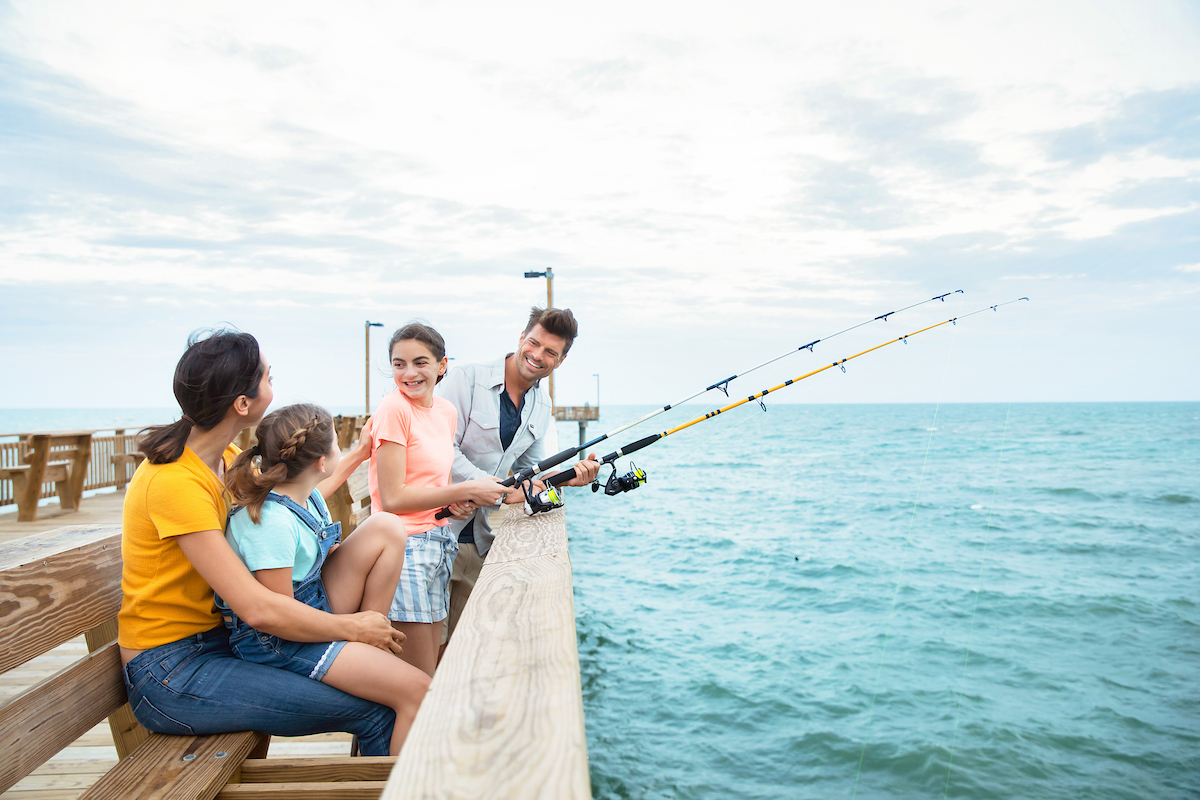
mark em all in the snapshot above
pixel 26 510
pixel 66 498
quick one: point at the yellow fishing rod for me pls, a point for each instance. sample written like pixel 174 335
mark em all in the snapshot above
pixel 636 477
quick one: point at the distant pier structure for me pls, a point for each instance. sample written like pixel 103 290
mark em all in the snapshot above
pixel 581 414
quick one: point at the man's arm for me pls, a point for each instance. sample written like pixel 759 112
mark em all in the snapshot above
pixel 459 388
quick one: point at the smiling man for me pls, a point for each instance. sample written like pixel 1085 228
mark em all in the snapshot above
pixel 503 417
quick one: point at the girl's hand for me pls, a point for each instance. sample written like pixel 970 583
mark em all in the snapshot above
pixel 362 450
pixel 373 628
pixel 487 491
pixel 518 495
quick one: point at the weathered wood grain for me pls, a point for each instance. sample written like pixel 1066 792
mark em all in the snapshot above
pixel 504 715
pixel 127 732
pixel 161 767
pixel 317 769
pixel 55 586
pixel 42 720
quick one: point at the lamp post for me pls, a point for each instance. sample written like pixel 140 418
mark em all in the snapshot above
pixel 367 325
pixel 596 375
pixel 549 276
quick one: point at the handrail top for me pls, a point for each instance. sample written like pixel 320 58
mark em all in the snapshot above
pixel 75 431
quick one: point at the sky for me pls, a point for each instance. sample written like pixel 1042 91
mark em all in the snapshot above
pixel 712 184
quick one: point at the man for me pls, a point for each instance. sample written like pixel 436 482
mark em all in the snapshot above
pixel 503 418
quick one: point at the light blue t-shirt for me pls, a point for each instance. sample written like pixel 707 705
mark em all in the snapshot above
pixel 281 540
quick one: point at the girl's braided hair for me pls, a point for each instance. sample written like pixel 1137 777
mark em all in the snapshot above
pixel 290 440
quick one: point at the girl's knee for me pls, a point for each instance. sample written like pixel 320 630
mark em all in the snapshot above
pixel 391 528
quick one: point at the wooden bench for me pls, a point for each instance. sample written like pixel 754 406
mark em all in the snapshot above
pixel 59 584
pixel 60 458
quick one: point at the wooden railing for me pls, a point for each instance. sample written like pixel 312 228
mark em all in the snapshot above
pixel 504 715
pixel 100 474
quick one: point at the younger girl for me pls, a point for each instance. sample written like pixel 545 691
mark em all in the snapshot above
pixel 413 433
pixel 283 534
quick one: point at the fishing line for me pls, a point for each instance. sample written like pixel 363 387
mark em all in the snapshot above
pixel 987 531
pixel 900 570
pixel 887 633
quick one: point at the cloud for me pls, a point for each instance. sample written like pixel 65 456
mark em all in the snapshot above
pixel 1165 123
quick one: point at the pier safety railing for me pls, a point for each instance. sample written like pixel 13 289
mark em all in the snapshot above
pixel 103 473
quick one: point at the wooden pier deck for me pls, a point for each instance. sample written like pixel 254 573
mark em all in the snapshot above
pixel 66 775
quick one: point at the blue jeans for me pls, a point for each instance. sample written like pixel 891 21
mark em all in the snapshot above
pixel 197 686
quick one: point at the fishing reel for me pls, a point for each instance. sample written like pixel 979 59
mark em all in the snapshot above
pixel 621 483
pixel 539 502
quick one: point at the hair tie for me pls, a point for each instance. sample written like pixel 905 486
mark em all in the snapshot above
pixel 255 451
pixel 188 419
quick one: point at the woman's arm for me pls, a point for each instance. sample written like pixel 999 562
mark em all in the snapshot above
pixel 349 463
pixel 399 498
pixel 274 613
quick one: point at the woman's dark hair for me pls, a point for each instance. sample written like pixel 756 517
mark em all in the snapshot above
pixel 290 441
pixel 424 334
pixel 218 367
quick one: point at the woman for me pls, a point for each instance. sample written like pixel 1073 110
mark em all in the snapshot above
pixel 179 671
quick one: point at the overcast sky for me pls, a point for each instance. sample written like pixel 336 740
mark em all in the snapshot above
pixel 713 185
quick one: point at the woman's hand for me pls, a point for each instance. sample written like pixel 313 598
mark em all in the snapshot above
pixel 373 628
pixel 486 491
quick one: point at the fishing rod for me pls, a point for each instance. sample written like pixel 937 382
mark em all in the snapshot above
pixel 616 484
pixel 723 385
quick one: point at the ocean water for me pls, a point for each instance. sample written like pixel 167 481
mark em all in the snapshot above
pixel 896 601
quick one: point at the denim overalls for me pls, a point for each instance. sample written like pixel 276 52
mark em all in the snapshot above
pixel 305 658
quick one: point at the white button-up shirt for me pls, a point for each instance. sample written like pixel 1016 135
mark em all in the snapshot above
pixel 474 390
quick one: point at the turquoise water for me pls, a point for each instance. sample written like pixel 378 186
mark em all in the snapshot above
pixel 898 601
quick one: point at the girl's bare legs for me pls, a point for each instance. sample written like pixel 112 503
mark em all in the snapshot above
pixel 422 644
pixel 362 573
pixel 373 674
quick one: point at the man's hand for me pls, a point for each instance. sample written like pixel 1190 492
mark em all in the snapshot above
pixel 461 511
pixel 585 471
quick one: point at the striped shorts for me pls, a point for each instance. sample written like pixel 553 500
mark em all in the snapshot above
pixel 423 594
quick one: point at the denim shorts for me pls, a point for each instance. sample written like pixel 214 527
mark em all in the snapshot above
pixel 310 659
pixel 423 594
pixel 195 686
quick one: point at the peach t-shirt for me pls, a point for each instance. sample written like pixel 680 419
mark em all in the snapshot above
pixel 427 435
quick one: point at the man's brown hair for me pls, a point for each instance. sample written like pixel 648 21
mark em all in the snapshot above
pixel 558 321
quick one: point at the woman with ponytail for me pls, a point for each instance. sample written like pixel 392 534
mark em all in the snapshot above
pixel 282 531
pixel 181 676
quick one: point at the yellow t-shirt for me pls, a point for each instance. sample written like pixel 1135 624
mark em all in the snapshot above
pixel 164 598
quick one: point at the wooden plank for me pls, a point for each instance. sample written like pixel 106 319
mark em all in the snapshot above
pixel 362 790
pixel 504 714
pixel 316 769
pixel 127 732
pixel 173 767
pixel 42 720
pixel 56 585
